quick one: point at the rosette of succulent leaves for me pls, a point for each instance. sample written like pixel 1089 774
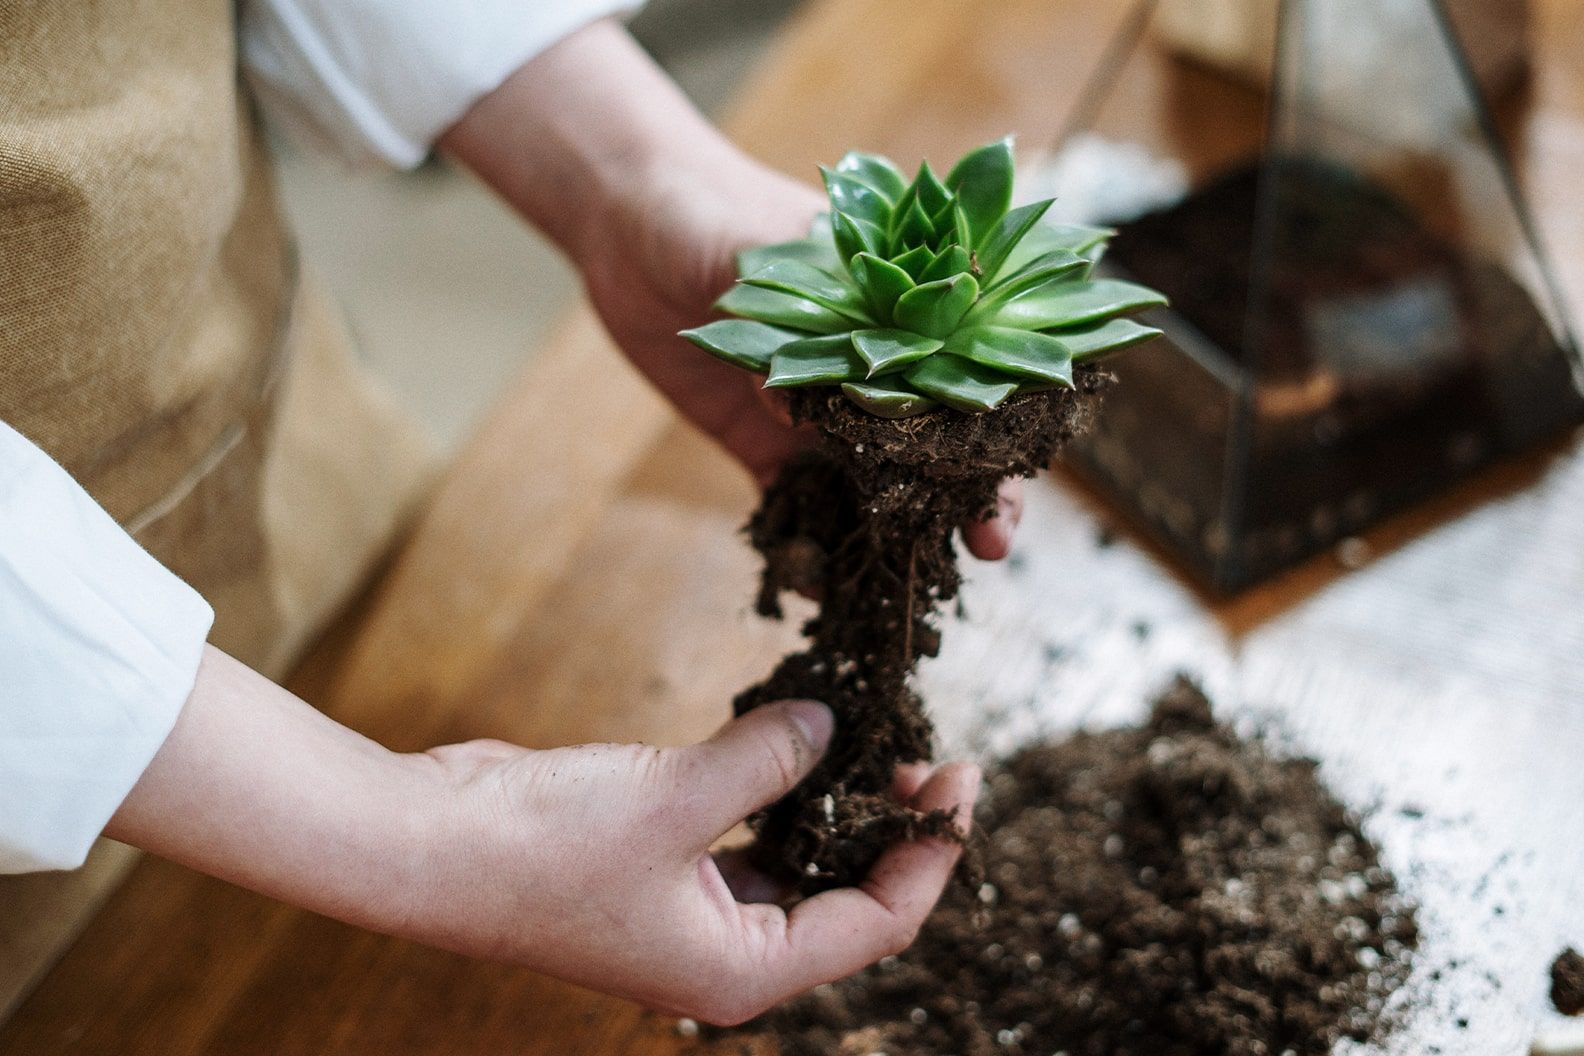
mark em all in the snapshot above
pixel 914 295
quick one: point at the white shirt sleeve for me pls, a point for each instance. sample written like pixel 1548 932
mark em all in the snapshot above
pixel 380 80
pixel 99 649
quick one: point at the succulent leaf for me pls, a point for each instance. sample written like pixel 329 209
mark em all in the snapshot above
pixel 853 236
pixel 944 221
pixel 855 198
pixel 910 296
pixel 742 342
pixel 915 261
pixel 903 205
pixel 932 193
pixel 816 251
pixel 814 361
pixel 882 282
pixel 962 228
pixel 886 400
pixel 993 250
pixel 1046 238
pixel 1057 264
pixel 935 308
pixel 982 181
pixel 1040 357
pixel 1073 304
pixel 812 284
pixel 888 350
pixel 913 229
pixel 781 309
pixel 953 260
pixel 1052 269
pixel 1099 339
pixel 961 383
pixel 878 172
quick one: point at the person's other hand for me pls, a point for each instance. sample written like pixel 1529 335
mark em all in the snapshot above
pixel 671 252
pixel 652 204
pixel 593 864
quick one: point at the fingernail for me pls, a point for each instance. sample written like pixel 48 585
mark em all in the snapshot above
pixel 1008 512
pixel 999 542
pixel 814 721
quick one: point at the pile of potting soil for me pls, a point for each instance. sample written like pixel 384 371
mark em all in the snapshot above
pixel 1169 890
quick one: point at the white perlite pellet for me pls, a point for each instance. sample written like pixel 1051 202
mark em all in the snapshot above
pixel 1563 1039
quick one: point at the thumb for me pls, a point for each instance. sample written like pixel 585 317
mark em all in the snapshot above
pixel 755 759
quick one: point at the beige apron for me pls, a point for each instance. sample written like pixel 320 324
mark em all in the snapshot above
pixel 156 340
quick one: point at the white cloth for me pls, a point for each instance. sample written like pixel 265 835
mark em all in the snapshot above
pixel 380 80
pixel 99 647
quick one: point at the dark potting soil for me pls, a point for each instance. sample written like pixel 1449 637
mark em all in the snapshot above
pixel 1342 276
pixel 1567 982
pixel 1163 890
pixel 865 525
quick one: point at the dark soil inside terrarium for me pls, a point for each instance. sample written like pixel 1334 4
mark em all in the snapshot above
pixel 1307 266
pixel 865 524
pixel 1567 982
pixel 1388 361
pixel 1170 889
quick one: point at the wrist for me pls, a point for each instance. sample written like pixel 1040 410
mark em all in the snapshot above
pixel 574 137
pixel 257 788
pixel 410 858
pixel 463 855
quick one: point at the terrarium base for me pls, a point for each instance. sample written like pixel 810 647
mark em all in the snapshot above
pixel 865 524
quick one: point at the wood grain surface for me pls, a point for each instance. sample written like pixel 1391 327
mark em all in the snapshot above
pixel 560 591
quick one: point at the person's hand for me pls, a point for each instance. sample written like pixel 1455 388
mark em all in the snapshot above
pixel 593 864
pixel 652 204
pixel 670 252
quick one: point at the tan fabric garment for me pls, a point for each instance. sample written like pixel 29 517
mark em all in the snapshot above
pixel 155 338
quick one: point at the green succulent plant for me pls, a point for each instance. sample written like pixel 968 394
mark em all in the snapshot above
pixel 914 295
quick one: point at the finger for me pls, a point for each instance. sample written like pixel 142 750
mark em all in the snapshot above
pixel 908 779
pixel 838 932
pixel 764 442
pixel 991 539
pixel 750 884
pixel 777 403
pixel 753 761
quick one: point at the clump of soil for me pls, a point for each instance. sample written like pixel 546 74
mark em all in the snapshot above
pixel 1164 890
pixel 1567 982
pixel 865 525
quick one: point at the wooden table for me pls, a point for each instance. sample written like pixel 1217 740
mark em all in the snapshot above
pixel 562 591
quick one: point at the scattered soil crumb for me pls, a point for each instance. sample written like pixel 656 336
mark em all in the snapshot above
pixel 1567 982
pixel 1162 890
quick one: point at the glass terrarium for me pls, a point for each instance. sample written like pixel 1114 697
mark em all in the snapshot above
pixel 1362 312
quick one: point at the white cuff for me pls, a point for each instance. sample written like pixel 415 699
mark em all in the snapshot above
pixel 380 80
pixel 99 649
